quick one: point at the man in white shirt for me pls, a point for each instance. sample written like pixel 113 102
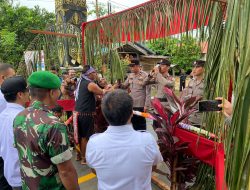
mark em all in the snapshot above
pixel 122 157
pixel 16 94
pixel 6 71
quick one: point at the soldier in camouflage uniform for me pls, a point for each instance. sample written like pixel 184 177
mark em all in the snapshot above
pixel 42 140
pixel 195 88
pixel 136 82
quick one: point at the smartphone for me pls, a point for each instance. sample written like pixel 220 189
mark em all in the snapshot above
pixel 209 105
pixel 159 66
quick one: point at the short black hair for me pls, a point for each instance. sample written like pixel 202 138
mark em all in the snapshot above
pixel 54 68
pixel 4 67
pixel 11 86
pixel 85 68
pixel 65 72
pixel 117 107
pixel 58 109
pixel 12 96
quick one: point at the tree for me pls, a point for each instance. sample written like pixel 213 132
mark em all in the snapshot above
pixel 182 52
pixel 97 12
pixel 15 23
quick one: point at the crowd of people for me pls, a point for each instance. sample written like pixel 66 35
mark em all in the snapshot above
pixel 34 143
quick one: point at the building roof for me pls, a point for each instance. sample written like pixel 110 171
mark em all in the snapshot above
pixel 135 48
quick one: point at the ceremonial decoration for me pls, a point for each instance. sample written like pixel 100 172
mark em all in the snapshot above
pixel 150 20
pixel 197 130
pixel 185 126
pixel 60 43
pixel 143 114
pixel 75 125
pixel 183 150
pixel 70 13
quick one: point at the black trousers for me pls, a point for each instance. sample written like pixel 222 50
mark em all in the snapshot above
pixel 182 85
pixel 3 182
pixel 85 126
pixel 139 123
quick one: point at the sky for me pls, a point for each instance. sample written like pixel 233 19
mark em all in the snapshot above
pixel 50 4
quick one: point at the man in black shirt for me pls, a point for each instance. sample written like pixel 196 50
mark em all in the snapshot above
pixel 86 106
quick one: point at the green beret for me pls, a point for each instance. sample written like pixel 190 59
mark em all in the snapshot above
pixel 44 79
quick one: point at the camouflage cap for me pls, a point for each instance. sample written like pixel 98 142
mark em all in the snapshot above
pixel 199 63
pixel 44 79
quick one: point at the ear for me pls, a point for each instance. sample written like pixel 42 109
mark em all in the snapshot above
pixel 51 92
pixel 131 115
pixel 2 77
pixel 19 95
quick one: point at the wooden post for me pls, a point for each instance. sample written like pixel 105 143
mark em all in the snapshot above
pixel 159 183
pixel 97 9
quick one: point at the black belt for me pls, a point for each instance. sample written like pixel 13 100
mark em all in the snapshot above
pixel 163 99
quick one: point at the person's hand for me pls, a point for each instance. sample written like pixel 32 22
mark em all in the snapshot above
pixel 156 69
pixel 99 97
pixel 107 89
pixel 116 86
pixel 227 107
pixel 109 86
pixel 68 80
pixel 104 91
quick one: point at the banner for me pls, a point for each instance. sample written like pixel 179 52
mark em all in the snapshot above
pixel 34 61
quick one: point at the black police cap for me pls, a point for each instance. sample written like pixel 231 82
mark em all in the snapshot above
pixel 165 62
pixel 134 62
pixel 199 63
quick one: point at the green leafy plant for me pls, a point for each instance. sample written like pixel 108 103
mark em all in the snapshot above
pixel 102 9
pixel 182 51
pixel 112 63
pixel 15 23
pixel 231 62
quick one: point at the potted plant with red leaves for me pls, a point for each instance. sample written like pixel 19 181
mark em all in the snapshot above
pixel 182 166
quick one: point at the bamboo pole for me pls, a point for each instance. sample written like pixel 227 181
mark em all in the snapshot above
pixel 220 1
pixel 174 183
pixel 160 183
pixel 52 33
pixel 97 9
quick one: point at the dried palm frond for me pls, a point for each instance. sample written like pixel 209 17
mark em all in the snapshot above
pixel 157 18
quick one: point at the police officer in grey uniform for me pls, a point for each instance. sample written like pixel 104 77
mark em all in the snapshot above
pixel 136 82
pixel 162 79
pixel 195 88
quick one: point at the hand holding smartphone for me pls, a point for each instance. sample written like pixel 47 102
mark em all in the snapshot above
pixel 209 105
